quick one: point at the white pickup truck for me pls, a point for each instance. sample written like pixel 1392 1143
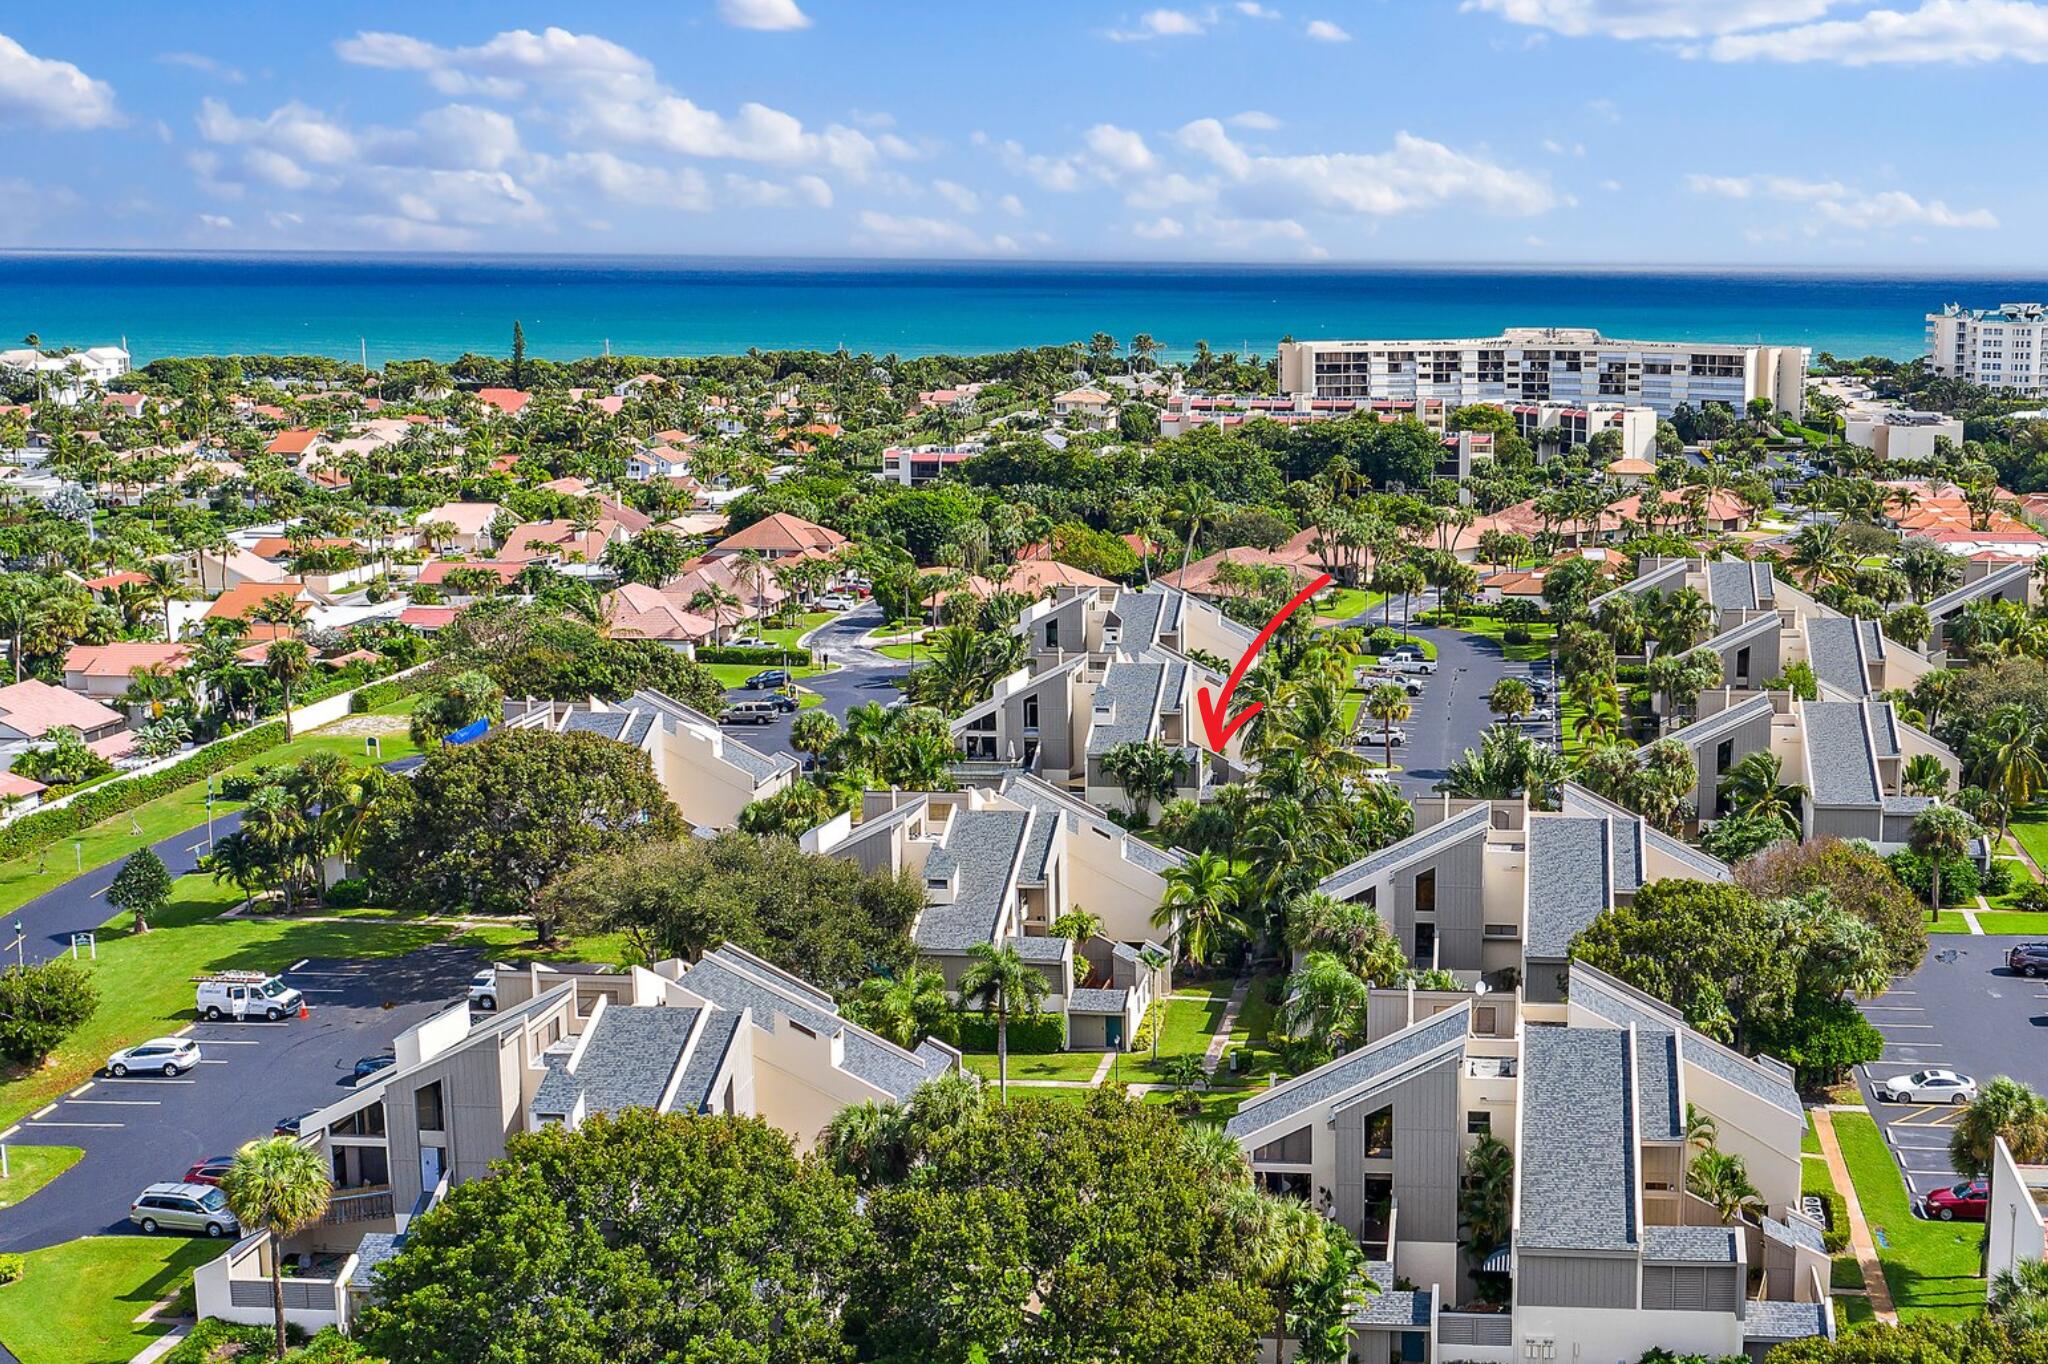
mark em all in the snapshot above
pixel 1407 661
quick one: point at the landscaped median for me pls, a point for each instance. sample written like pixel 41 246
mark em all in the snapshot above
pixel 1932 1268
pixel 29 1168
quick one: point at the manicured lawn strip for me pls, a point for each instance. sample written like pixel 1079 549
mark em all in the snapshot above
pixel 77 1302
pixel 2012 921
pixel 29 1168
pixel 1055 1065
pixel 1844 1272
pixel 1951 921
pixel 1346 603
pixel 736 674
pixel 513 941
pixel 910 651
pixel 1219 1102
pixel 146 982
pixel 113 839
pixel 1188 1027
pixel 1219 988
pixel 2030 829
pixel 1809 1143
pixel 786 636
pixel 1490 627
pixel 1852 1313
pixel 1931 1267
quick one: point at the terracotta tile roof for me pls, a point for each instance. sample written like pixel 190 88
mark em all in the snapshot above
pixel 113 580
pixel 35 708
pixel 293 442
pixel 781 534
pixel 122 659
pixel 506 400
pixel 436 571
pixel 237 602
pixel 428 617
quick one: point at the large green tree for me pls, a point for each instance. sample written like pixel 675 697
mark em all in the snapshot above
pixel 41 1005
pixel 487 827
pixel 638 1236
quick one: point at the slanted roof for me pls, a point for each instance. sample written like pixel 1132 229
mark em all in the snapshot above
pixel 983 849
pixel 1620 1004
pixel 1577 1163
pixel 1397 1308
pixel 33 709
pixel 1770 1319
pixel 628 1056
pixel 1348 881
pixel 1795 1230
pixel 1740 585
pixel 1841 760
pixel 1748 632
pixel 693 1091
pixel 1127 703
pixel 2004 579
pixel 1690 1245
pixel 1570 880
pixel 1834 645
pixel 1371 1064
pixel 1664 577
pixel 1705 731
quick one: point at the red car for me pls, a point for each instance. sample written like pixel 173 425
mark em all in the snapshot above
pixel 210 1170
pixel 1965 1202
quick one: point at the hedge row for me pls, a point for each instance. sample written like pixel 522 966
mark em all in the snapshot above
pixel 384 693
pixel 771 654
pixel 1037 1036
pixel 44 827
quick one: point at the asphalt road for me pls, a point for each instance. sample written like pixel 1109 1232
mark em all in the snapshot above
pixel 142 1129
pixel 1451 715
pixel 861 675
pixel 1962 1010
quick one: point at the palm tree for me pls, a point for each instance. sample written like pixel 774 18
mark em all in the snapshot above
pixel 813 732
pixel 288 661
pixel 1486 1198
pixel 163 585
pixel 2011 766
pixel 278 1187
pixel 1326 1002
pixel 1941 832
pixel 2004 1108
pixel 1199 908
pixel 1511 699
pixel 1752 788
pixel 866 1143
pixel 1722 1181
pixel 1006 987
pixel 1388 705
pixel 1924 775
pixel 719 604
pixel 2019 1298
pixel 1154 961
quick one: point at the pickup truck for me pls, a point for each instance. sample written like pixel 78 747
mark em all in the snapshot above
pixel 1407 661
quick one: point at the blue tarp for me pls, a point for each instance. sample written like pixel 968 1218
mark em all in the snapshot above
pixel 475 729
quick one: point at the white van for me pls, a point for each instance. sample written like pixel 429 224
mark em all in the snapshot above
pixel 245 994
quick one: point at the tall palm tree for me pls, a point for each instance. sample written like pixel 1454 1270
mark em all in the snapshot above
pixel 1722 1181
pixel 1388 706
pixel 1326 1002
pixel 866 1142
pixel 1200 906
pixel 1752 787
pixel 719 604
pixel 1005 986
pixel 2004 1108
pixel 1939 833
pixel 1486 1198
pixel 164 587
pixel 2011 767
pixel 288 661
pixel 278 1187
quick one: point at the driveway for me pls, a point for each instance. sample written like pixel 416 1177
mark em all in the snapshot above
pixel 860 675
pixel 1451 715
pixel 141 1129
pixel 1962 1010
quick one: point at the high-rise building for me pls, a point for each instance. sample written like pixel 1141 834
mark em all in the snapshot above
pixel 1543 364
pixel 1993 347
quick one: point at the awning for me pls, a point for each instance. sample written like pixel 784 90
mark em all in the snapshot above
pixel 1497 1263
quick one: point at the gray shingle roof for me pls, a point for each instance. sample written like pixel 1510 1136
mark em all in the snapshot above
pixel 1137 616
pixel 1770 1320
pixel 1628 829
pixel 1348 881
pixel 1403 1309
pixel 1129 692
pixel 1605 997
pixel 693 1092
pixel 1834 646
pixel 1091 1001
pixel 1666 577
pixel 1570 881
pixel 1690 1245
pixel 1702 732
pixel 1736 585
pixel 1577 1166
pixel 630 1055
pixel 1841 767
pixel 1884 727
pixel 1907 805
pixel 1038 849
pixel 1747 632
pixel 1081 817
pixel 981 850
pixel 1369 1065
pixel 375 1248
pixel 1044 948
pixel 1659 1115
pixel 2009 578
pixel 1795 1231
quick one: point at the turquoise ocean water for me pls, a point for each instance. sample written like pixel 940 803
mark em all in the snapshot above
pixel 441 306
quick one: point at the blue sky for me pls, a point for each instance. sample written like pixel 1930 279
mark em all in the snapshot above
pixel 1761 132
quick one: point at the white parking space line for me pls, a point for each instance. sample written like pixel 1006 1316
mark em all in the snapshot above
pixel 143 1080
pixel 229 1042
pixel 212 1063
pixel 45 1109
pixel 118 1103
pixel 1886 1023
pixel 96 1126
pixel 325 990
pixel 297 964
pixel 10 1132
pixel 81 1089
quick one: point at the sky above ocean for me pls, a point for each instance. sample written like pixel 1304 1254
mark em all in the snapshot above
pixel 441 306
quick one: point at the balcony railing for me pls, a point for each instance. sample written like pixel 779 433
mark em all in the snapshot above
pixel 1496 1329
pixel 363 1205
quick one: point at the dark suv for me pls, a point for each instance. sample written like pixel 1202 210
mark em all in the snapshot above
pixel 2028 958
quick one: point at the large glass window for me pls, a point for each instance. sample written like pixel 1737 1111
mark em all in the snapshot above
pixel 426 1101
pixel 1379 1133
pixel 1425 892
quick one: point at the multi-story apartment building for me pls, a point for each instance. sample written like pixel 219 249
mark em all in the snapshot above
pixel 1561 425
pixel 1899 434
pixel 1541 364
pixel 1608 1254
pixel 1997 348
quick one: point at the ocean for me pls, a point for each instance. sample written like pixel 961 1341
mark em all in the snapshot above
pixel 439 306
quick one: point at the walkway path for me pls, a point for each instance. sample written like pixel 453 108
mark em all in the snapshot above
pixel 1970 915
pixel 1860 1240
pixel 1219 1040
pixel 2025 856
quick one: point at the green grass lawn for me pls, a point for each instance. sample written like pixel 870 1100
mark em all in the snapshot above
pixel 1931 1267
pixel 29 1168
pixel 1188 1026
pixel 1347 602
pixel 77 1302
pixel 1853 1312
pixel 1219 1102
pixel 1951 921
pixel 910 651
pixel 1809 1141
pixel 115 838
pixel 2030 830
pixel 514 939
pixel 1056 1065
pixel 1252 1036
pixel 736 674
pixel 145 982
pixel 786 636
pixel 2012 921
pixel 1489 627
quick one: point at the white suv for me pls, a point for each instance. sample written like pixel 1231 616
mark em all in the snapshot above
pixel 483 988
pixel 166 1056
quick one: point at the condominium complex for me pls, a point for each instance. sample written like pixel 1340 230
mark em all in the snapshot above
pixel 1541 364
pixel 1993 347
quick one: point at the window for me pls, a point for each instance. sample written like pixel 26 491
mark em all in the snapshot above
pixel 1425 892
pixel 1742 664
pixel 1478 1123
pixel 426 1106
pixel 1052 634
pixel 1425 943
pixel 725 1105
pixel 364 1122
pixel 1379 1134
pixel 1030 714
pixel 1724 756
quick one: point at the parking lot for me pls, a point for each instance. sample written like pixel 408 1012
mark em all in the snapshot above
pixel 140 1129
pixel 1964 1011
pixel 1451 715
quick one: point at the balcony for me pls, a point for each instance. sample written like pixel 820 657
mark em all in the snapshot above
pixel 371 1203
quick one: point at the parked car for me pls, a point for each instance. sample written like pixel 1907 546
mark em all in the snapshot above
pixel 208 1171
pixel 245 994
pixel 162 1055
pixel 1407 661
pixel 783 702
pixel 184 1207
pixel 370 1065
pixel 483 988
pixel 769 677
pixel 287 1127
pixel 1374 677
pixel 1964 1202
pixel 1541 715
pixel 1928 1087
pixel 838 601
pixel 2028 958
pixel 749 713
pixel 1373 735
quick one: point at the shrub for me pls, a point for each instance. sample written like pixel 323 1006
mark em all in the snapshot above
pixel 213 1340
pixel 243 785
pixel 1959 879
pixel 351 892
pixel 1517 634
pixel 1040 1035
pixel 2032 897
pixel 12 1266
pixel 1996 881
pixel 45 827
pixel 1625 673
pixel 769 655
pixel 379 694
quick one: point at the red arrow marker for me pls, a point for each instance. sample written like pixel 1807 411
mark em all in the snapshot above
pixel 1214 725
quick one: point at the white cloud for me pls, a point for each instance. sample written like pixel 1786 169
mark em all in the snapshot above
pixel 1834 204
pixel 502 66
pixel 1255 119
pixel 772 16
pixel 1011 205
pixel 1057 173
pixel 1121 149
pixel 1161 23
pixel 1323 31
pixel 1159 229
pixel 200 62
pixel 959 196
pixel 1414 174
pixel 463 135
pixel 217 222
pixel 1946 31
pixel 1611 186
pixel 1251 9
pixel 1630 19
pixel 49 93
pixel 625 182
pixel 1169 191
pixel 805 189
pixel 902 234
